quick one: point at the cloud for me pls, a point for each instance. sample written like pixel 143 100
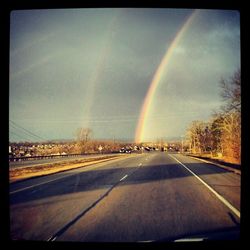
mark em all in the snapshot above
pixel 43 60
pixel 52 62
pixel 36 40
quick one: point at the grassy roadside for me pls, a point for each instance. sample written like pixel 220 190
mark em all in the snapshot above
pixel 218 162
pixel 51 168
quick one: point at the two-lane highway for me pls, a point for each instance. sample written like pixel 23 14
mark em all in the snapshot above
pixel 147 197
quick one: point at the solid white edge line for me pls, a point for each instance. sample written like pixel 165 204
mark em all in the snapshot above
pixel 222 199
pixel 124 177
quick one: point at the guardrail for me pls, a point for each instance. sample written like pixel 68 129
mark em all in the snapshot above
pixel 27 158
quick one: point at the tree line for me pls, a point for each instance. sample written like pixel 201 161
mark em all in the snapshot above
pixel 221 135
pixel 86 144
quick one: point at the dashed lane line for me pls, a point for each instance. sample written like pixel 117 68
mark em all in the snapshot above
pixel 90 167
pixel 69 224
pixel 124 177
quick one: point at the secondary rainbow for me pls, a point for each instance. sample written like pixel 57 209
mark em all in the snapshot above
pixel 145 110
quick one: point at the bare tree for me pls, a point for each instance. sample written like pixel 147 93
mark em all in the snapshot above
pixel 226 124
pixel 231 136
pixel 231 93
pixel 231 117
pixel 216 133
pixel 194 134
pixel 83 136
pixel 223 133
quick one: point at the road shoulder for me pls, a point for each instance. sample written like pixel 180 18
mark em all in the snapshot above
pixel 231 169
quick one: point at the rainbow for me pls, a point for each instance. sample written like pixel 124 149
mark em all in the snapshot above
pixel 145 110
pixel 95 77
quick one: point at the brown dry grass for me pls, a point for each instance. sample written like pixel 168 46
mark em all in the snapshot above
pixel 226 159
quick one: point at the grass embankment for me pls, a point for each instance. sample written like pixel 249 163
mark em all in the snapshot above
pixel 223 161
pixel 51 168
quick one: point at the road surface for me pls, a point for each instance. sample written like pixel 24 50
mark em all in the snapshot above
pixel 153 196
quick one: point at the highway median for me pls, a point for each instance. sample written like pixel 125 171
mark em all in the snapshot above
pixel 23 173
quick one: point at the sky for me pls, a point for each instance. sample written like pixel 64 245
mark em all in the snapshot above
pixel 93 67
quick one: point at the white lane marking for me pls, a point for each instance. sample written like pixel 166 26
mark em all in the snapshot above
pixel 145 241
pixel 86 210
pixel 38 184
pixel 52 238
pixel 187 239
pixel 124 177
pixel 86 168
pixel 221 198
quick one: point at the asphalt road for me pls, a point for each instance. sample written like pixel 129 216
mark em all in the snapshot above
pixel 149 197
